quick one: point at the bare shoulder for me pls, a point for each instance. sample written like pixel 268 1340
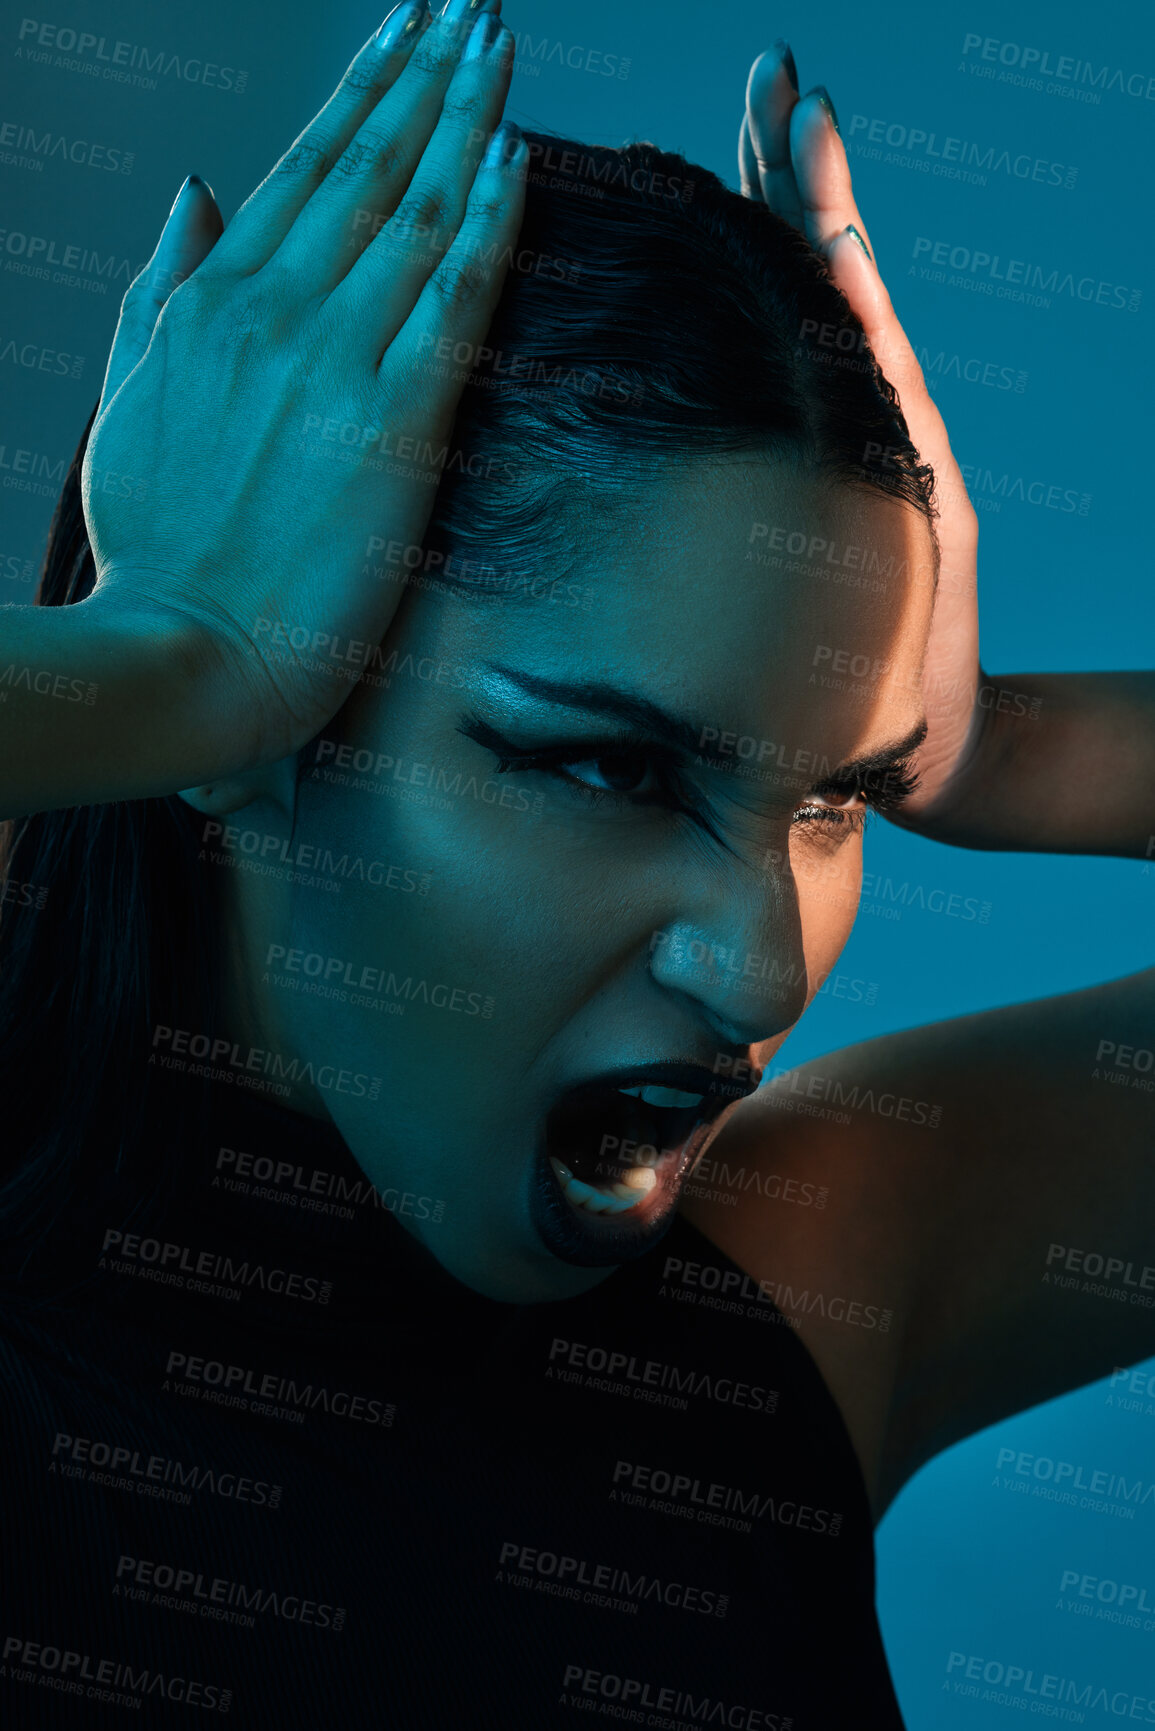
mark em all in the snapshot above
pixel 909 1194
pixel 804 1192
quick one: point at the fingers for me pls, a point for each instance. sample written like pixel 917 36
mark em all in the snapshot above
pixel 747 163
pixel 858 278
pixel 190 233
pixel 379 293
pixel 458 300
pixel 262 222
pixel 764 157
pixel 411 164
pixel 822 171
pixel 834 227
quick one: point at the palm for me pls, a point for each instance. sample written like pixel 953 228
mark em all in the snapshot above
pixel 792 159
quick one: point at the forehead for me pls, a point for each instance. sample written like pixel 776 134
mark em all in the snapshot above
pixel 746 592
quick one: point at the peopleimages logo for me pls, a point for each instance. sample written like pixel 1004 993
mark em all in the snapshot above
pixel 1034 64
pixel 38 357
pixel 154 1475
pixel 267 1393
pixel 172 1262
pixel 217 1597
pixel 736 1292
pixel 651 1380
pixel 40 146
pixel 718 1504
pixel 45 683
pixel 279 851
pixel 1106 1592
pixel 635 1692
pixel 1045 1686
pixel 1103 1491
pixel 1019 279
pixel 281 1179
pixel 235 1062
pixel 120 62
pixel 320 972
pixel 853 1096
pixel 565 1577
pixel 1119 1279
pixel 109 1680
pixel 717 1180
pixel 40 255
pixel 954 158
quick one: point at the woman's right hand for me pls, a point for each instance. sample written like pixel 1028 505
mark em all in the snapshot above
pixel 791 157
pixel 283 419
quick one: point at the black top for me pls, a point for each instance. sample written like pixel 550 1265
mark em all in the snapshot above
pixel 271 1460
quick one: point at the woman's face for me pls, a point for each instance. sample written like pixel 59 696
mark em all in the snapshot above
pixel 613 850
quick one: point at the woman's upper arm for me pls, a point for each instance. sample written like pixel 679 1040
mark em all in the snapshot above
pixel 989 1184
pixel 1030 1268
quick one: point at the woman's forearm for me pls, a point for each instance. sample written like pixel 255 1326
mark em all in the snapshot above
pixel 1062 763
pixel 97 705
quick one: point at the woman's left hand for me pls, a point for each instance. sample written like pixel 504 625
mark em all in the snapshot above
pixel 791 157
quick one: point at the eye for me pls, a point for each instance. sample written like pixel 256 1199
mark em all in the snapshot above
pixel 617 772
pixel 839 799
pixel 834 805
pixel 879 788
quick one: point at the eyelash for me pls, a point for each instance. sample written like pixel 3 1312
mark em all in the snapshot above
pixel 897 780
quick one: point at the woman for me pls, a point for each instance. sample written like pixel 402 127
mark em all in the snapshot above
pixel 404 1322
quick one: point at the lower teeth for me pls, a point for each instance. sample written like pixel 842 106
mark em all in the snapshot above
pixel 635 1184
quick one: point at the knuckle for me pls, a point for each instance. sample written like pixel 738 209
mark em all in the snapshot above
pixel 489 208
pixel 437 54
pixel 249 312
pixel 402 386
pixel 190 300
pixel 460 282
pixel 423 210
pixel 311 155
pixel 138 295
pixel 364 79
pixel 462 104
pixel 370 155
pixel 271 297
pixel 253 306
pixel 200 293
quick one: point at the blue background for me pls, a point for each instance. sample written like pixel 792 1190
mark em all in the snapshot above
pixel 963 1566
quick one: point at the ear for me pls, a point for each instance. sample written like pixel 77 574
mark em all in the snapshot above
pixel 272 787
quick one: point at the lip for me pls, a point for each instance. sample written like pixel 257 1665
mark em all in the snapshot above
pixel 599 1240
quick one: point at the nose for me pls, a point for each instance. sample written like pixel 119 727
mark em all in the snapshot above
pixel 736 950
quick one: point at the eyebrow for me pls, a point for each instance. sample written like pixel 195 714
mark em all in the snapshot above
pixel 597 697
pixel 884 756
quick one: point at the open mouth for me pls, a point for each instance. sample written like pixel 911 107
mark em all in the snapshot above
pixel 615 1154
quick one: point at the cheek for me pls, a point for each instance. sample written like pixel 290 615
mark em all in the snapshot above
pixel 828 882
pixel 476 895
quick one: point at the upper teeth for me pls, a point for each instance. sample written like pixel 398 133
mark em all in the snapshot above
pixel 655 1096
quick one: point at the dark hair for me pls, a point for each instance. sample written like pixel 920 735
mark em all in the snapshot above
pixel 655 317
pixel 650 315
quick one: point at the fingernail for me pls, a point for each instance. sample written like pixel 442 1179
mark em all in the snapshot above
pixel 823 96
pixel 184 186
pixel 187 185
pixel 786 55
pixel 503 146
pixel 402 23
pixel 456 9
pixel 854 234
pixel 483 36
